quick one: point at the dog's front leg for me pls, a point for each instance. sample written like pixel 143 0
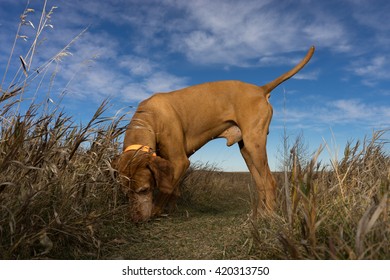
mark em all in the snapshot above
pixel 169 196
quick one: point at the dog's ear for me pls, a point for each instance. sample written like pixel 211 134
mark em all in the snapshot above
pixel 162 170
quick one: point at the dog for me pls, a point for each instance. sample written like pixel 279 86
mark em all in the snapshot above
pixel 168 128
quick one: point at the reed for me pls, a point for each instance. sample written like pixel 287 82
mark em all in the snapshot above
pixel 56 182
pixel 338 211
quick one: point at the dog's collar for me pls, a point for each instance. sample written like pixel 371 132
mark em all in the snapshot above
pixel 142 148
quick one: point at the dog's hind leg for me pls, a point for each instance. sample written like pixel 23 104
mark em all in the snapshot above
pixel 256 160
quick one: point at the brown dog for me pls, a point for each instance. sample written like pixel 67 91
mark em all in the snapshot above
pixel 169 127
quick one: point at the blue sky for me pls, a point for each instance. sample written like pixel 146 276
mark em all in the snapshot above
pixel 133 49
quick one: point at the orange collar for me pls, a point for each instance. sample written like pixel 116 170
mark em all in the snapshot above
pixel 142 148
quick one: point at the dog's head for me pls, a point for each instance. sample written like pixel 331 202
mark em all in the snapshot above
pixel 141 173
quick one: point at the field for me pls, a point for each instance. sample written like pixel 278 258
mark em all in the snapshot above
pixel 60 198
pixel 57 204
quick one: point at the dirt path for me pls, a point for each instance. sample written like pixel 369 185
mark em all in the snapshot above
pixel 212 224
pixel 197 236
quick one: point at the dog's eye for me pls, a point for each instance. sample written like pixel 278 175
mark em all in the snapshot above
pixel 142 190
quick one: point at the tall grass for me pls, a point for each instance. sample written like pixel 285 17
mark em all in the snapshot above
pixel 57 186
pixel 339 211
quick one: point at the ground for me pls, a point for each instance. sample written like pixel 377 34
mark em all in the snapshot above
pixel 198 229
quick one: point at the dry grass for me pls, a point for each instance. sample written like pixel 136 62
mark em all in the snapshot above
pixel 51 196
pixel 339 211
pixel 60 199
pixel 56 182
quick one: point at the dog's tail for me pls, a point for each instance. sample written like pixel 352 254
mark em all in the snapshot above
pixel 271 85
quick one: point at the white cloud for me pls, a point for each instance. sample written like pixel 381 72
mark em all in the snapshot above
pixel 374 66
pixel 223 31
pixel 227 32
pixel 342 111
pixel 137 65
pixel 371 15
pixel 237 33
pixel 233 32
pixel 157 82
pixel 135 92
pixel 163 82
pixel 372 69
pixel 278 60
pixel 330 34
pixel 352 109
pixel 312 75
pixel 357 111
pixel 96 66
